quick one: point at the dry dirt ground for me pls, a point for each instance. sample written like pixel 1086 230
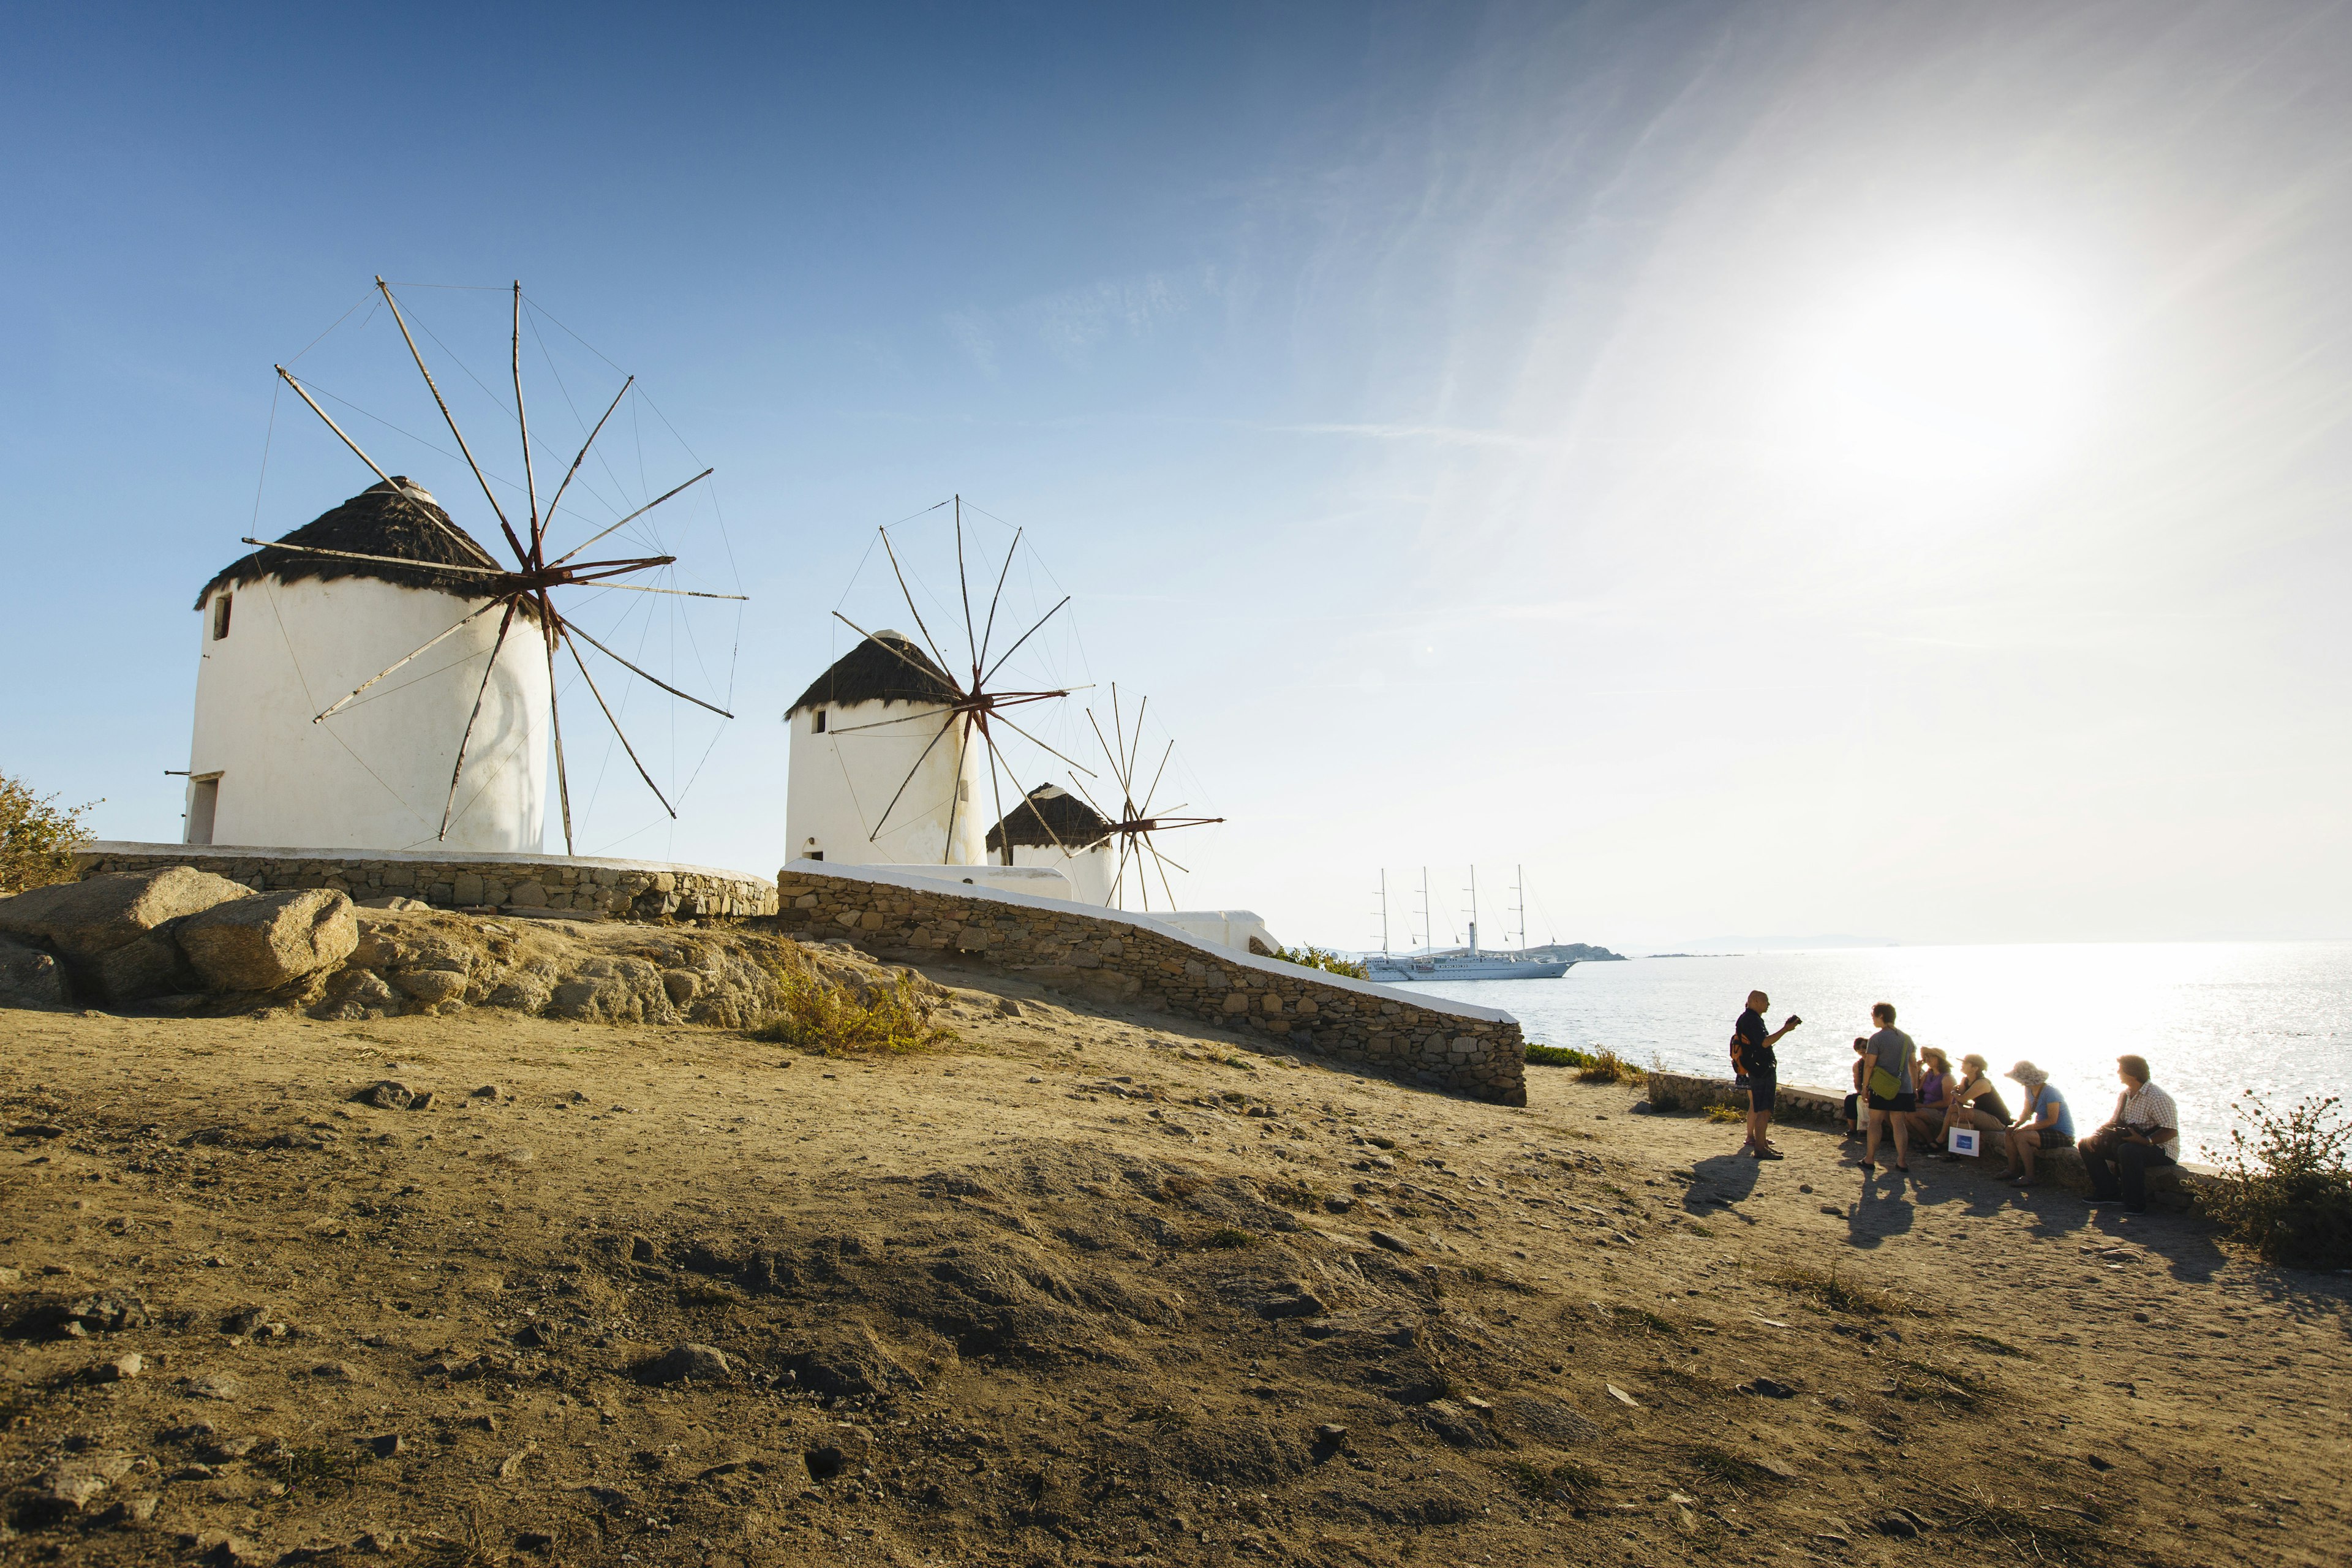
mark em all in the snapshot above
pixel 1087 1287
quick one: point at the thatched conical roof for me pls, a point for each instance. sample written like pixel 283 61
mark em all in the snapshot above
pixel 372 522
pixel 872 673
pixel 1075 823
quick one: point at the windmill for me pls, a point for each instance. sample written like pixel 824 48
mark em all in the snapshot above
pixel 1137 819
pixel 961 711
pixel 525 589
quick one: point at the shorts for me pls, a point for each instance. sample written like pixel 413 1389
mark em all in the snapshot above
pixel 1906 1101
pixel 1761 1087
pixel 2053 1139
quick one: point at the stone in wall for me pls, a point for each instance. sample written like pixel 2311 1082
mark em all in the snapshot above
pixel 623 892
pixel 1371 1031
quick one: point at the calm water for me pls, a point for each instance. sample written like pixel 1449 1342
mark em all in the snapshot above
pixel 2212 1019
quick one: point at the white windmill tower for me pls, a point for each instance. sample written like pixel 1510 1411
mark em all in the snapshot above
pixel 894 760
pixel 866 785
pixel 376 679
pixel 285 631
pixel 1053 828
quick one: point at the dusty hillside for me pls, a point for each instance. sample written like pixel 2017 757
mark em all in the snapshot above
pixel 1084 1289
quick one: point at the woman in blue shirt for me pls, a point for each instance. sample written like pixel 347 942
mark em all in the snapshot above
pixel 2045 1123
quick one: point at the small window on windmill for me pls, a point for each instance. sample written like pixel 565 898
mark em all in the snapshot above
pixel 220 614
pixel 964 789
pixel 816 723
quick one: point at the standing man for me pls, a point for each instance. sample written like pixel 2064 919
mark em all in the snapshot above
pixel 1758 1069
pixel 2145 1131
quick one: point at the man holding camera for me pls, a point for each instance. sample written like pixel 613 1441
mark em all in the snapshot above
pixel 1758 1069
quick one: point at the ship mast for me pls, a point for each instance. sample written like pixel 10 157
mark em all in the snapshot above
pixel 1474 912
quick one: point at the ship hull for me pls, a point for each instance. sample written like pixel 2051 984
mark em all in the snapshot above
pixel 1405 970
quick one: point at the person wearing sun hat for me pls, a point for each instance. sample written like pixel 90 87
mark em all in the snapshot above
pixel 2046 1122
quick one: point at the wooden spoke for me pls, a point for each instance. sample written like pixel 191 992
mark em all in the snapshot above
pixel 1128 808
pixel 1118 877
pixel 1155 780
pixel 521 555
pixel 963 586
pixel 421 648
pixel 549 521
pixel 1042 746
pixel 1024 638
pixel 387 560
pixel 884 820
pixel 1164 864
pixel 569 628
pixel 614 569
pixel 997 597
pixel 400 491
pixel 468 738
pixel 1136 744
pixel 908 594
pixel 955 795
pixel 680 593
pixel 530 483
pixel 902 658
pixel 555 716
pixel 1025 801
pixel 566 632
pixel 633 517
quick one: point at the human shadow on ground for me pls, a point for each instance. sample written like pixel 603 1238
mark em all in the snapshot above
pixel 1724 1181
pixel 1882 1211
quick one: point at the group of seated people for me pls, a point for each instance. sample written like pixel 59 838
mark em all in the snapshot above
pixel 1934 1099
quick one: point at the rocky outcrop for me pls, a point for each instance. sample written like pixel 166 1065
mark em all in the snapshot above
pixel 113 933
pixel 264 941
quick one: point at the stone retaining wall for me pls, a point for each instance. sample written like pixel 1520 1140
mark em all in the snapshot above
pixel 1116 956
pixel 642 889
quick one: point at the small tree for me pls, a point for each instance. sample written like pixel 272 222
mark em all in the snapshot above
pixel 1323 959
pixel 2286 1191
pixel 36 840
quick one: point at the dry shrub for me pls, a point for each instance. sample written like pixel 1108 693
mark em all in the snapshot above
pixel 1722 1112
pixel 2286 1191
pixel 1567 1481
pixel 36 840
pixel 1829 1288
pixel 1608 1067
pixel 839 1021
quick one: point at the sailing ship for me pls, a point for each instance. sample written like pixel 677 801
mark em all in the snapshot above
pixel 1394 968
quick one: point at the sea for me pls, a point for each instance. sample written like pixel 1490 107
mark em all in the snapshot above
pixel 2215 1020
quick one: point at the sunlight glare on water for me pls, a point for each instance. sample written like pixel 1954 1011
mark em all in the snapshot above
pixel 2212 1018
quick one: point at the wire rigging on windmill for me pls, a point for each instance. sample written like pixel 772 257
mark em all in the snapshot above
pixel 397 685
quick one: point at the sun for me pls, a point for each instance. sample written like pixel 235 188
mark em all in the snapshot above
pixel 1953 367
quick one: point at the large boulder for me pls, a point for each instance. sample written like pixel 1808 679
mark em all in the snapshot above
pixel 82 920
pixel 29 977
pixel 113 932
pixel 268 939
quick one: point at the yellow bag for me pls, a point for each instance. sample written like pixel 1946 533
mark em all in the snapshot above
pixel 1884 1085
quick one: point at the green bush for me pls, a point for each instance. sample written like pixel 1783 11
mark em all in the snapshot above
pixel 36 840
pixel 1323 959
pixel 1557 1056
pixel 832 1021
pixel 2285 1192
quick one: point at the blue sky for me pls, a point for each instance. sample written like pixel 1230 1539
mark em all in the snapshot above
pixel 1764 470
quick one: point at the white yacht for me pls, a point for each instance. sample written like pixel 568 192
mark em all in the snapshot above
pixel 1394 968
